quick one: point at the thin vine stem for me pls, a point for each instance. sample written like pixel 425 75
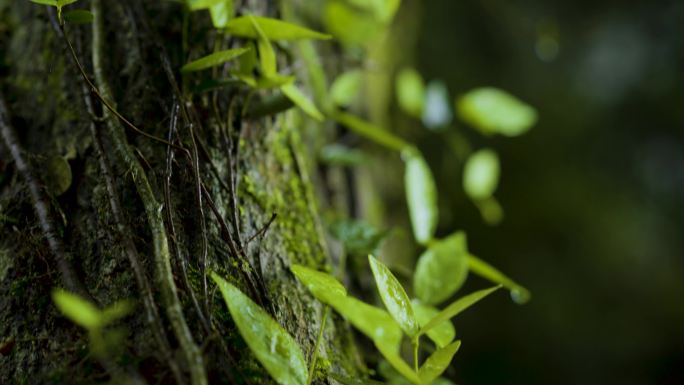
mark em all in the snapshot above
pixel 314 353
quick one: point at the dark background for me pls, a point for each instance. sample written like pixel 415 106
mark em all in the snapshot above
pixel 593 223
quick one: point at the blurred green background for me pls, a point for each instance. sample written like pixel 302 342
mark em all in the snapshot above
pixel 593 223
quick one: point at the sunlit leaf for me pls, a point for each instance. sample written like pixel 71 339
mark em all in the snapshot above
pixel 272 345
pixel 267 56
pixel 481 174
pixel 339 155
pixel 117 310
pixel 373 322
pixel 350 24
pixel 196 5
pixel 346 87
pixel 322 285
pixel 358 237
pixel 421 197
pixel 78 16
pixel 45 2
pixel 214 59
pixel 221 13
pixel 382 10
pixel 437 109
pixel 370 131
pixel 519 294
pixel 494 111
pixel 399 365
pixel 458 306
pixel 437 363
pixel 441 269
pixel 302 101
pixel 273 29
pixel 441 334
pixel 394 297
pixel 63 3
pixel 265 83
pixel 410 92
pixel 77 309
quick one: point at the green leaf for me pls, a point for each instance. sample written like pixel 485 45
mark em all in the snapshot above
pixel 494 111
pixel 410 92
pixel 373 322
pixel 350 24
pixel 481 174
pixel 77 309
pixel 117 310
pixel 221 13
pixel 400 365
pixel 267 56
pixel 394 297
pixel 265 83
pixel 441 334
pixel 248 61
pixel 213 59
pixel 369 131
pixel 78 16
pixel 273 29
pixel 272 345
pixel 457 306
pixel 196 5
pixel 62 3
pixel 519 294
pixel 346 87
pixel 437 110
pixel 437 363
pixel 490 210
pixel 339 155
pixel 301 100
pixel 45 2
pixel 358 237
pixel 441 269
pixel 421 196
pixel 58 174
pixel 322 285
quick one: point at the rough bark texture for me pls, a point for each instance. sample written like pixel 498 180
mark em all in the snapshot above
pixel 266 160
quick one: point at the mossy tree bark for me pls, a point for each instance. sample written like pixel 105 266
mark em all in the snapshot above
pixel 141 219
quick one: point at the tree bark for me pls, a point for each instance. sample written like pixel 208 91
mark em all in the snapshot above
pixel 147 215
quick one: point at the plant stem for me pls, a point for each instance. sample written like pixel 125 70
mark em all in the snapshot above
pixel 314 354
pixel 415 342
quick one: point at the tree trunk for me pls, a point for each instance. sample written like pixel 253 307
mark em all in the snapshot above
pixel 133 216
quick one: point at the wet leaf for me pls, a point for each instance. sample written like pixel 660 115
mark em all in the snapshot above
pixel 302 101
pixel 272 345
pixel 399 365
pixel 78 16
pixel 221 13
pixel 441 269
pixel 457 306
pixel 394 297
pixel 358 237
pixel 373 322
pixel 213 59
pixel 273 29
pixel 346 87
pixel 322 285
pixel 494 111
pixel 421 196
pixel 267 56
pixel 437 363
pixel 79 310
pixel 410 92
pixel 481 174
pixel 519 294
pixel 441 334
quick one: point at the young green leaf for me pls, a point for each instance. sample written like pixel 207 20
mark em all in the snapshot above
pixel 273 29
pixel 369 131
pixel 351 25
pixel 267 56
pixel 437 363
pixel 45 2
pixel 196 5
pixel 519 294
pixel 400 365
pixel 346 87
pixel 322 285
pixel 457 306
pixel 491 211
pixel 117 310
pixel 410 92
pixel 78 16
pixel 248 61
pixel 394 297
pixel 265 83
pixel 358 237
pixel 221 13
pixel 441 334
pixel 421 196
pixel 441 269
pixel 62 3
pixel 302 101
pixel 494 111
pixel 213 59
pixel 77 309
pixel 272 345
pixel 481 174
pixel 373 322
